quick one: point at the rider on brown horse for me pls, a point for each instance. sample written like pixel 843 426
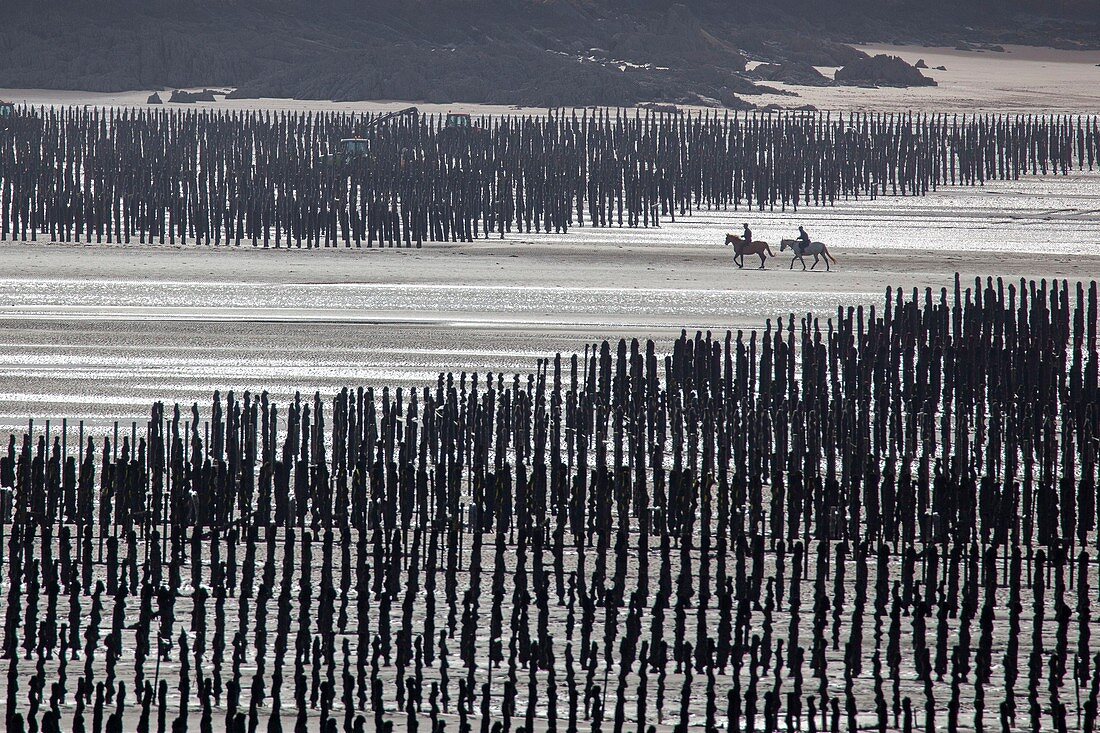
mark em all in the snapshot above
pixel 747 236
pixel 742 247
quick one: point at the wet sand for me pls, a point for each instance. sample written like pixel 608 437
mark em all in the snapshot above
pixel 838 629
pixel 97 333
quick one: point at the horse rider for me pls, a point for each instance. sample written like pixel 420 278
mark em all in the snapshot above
pixel 803 237
pixel 748 234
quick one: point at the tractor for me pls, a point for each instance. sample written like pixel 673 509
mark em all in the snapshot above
pixel 7 115
pixel 460 131
pixel 350 149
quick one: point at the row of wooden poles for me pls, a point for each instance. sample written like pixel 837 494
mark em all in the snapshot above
pixel 619 539
pixel 265 179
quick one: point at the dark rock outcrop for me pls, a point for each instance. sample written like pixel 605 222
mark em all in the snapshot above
pixel 664 109
pixel 181 96
pixel 780 46
pixel 792 72
pixel 883 71
pixel 154 98
pixel 921 64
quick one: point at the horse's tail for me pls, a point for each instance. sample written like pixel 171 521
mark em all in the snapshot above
pixel 769 248
pixel 829 254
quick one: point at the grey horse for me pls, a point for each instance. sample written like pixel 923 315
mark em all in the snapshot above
pixel 800 250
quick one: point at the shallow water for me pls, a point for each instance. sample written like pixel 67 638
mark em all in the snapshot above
pixel 101 371
pixel 401 303
pixel 81 355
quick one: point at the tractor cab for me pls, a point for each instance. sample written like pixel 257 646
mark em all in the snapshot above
pixel 348 150
pixel 458 121
pixel 354 147
pixel 7 115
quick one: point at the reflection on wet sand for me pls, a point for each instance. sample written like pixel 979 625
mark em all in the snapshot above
pixel 98 333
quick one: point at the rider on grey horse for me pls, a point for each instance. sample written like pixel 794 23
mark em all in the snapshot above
pixel 803 237
pixel 803 246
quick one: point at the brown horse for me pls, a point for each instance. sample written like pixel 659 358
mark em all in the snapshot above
pixel 742 248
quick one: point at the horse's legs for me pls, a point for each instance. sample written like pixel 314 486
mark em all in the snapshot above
pixel 827 268
pixel 739 264
pixel 815 262
pixel 762 260
pixel 803 261
pixel 792 262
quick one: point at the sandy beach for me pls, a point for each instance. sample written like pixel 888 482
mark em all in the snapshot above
pixel 1022 79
